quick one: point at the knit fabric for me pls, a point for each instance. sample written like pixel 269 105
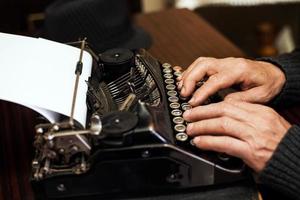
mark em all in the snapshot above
pixel 282 171
pixel 290 64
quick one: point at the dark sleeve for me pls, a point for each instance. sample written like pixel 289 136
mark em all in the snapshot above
pixel 282 171
pixel 290 65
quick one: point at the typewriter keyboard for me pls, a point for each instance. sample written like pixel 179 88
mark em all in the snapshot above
pixel 177 103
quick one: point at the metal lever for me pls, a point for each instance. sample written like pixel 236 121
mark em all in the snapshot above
pixel 128 102
pixel 95 129
pixel 78 72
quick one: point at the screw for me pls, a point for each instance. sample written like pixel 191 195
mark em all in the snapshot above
pixel 61 187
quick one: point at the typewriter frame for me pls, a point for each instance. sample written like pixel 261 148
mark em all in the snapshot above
pixel 152 162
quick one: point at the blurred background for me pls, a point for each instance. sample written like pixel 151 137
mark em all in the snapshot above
pixel 258 27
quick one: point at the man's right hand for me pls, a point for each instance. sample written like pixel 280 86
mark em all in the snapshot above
pixel 259 81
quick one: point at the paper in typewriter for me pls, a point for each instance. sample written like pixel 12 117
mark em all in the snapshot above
pixel 40 74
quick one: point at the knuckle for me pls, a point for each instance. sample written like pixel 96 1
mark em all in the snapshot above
pixel 243 64
pixel 270 115
pixel 213 78
pixel 227 143
pixel 224 124
pixel 224 107
pixel 199 59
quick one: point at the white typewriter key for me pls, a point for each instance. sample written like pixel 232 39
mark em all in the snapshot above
pixel 177 68
pixel 174 105
pixel 173 99
pixel 183 98
pixel 176 113
pixel 181 137
pixel 192 142
pixel 178 120
pixel 172 93
pixel 167 70
pixel 170 87
pixel 169 81
pixel 180 128
pixel 186 106
pixel 178 73
pixel 166 65
pixel 168 75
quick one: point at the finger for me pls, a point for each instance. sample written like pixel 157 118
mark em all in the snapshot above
pixel 222 144
pixel 219 126
pixel 194 74
pixel 250 108
pixel 211 86
pixel 253 95
pixel 193 65
pixel 214 110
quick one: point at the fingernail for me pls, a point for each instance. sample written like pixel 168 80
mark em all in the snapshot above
pixel 179 78
pixel 186 113
pixel 180 85
pixel 182 90
pixel 192 100
pixel 196 140
pixel 189 128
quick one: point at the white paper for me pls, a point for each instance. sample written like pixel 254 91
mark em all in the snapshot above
pixel 40 74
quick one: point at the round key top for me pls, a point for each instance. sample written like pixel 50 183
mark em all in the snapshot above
pixel 166 65
pixel 178 120
pixel 168 75
pixel 169 81
pixel 180 128
pixel 173 99
pixel 167 70
pixel 172 93
pixel 186 106
pixel 170 87
pixel 177 68
pixel 181 137
pixel 176 113
pixel 174 105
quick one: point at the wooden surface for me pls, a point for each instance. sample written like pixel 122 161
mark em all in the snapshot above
pixel 179 37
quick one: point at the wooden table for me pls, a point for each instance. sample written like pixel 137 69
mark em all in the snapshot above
pixel 179 37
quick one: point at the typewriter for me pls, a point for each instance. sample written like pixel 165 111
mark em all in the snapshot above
pixel 135 142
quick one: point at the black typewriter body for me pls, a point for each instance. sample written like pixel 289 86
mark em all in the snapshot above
pixel 142 147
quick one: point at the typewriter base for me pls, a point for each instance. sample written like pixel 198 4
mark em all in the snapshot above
pixel 143 170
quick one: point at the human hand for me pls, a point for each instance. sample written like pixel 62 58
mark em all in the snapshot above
pixel 259 81
pixel 248 131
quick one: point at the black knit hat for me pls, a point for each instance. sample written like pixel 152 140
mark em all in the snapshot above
pixel 105 23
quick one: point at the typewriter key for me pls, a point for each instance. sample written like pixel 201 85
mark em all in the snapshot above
pixel 223 156
pixel 183 98
pixel 169 81
pixel 172 93
pixel 168 75
pixel 176 113
pixel 178 120
pixel 178 73
pixel 170 87
pixel 173 99
pixel 180 128
pixel 174 105
pixel 167 70
pixel 177 68
pixel 192 142
pixel 186 106
pixel 181 137
pixel 166 65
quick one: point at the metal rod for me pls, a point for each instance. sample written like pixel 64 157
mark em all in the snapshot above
pixel 78 73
